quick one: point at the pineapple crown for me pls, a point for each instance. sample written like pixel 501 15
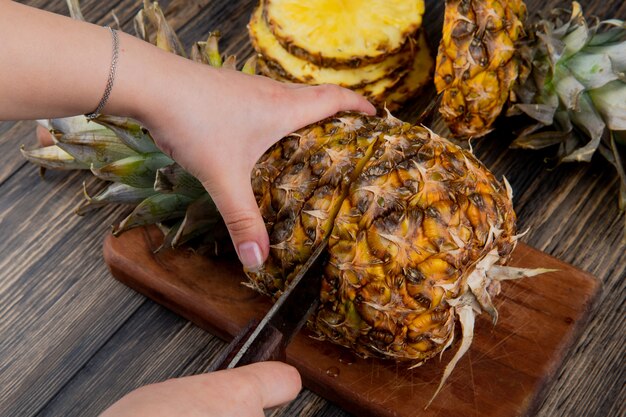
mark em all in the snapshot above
pixel 573 83
pixel 121 152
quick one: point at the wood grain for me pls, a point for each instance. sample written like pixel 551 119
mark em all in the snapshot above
pixel 503 374
pixel 65 323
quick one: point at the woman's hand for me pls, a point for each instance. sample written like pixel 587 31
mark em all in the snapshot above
pixel 218 122
pixel 215 122
pixel 239 392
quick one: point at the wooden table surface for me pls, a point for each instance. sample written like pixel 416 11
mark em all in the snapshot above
pixel 73 340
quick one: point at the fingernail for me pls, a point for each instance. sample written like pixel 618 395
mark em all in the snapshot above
pixel 250 255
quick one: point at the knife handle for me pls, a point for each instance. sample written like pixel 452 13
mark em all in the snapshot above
pixel 267 346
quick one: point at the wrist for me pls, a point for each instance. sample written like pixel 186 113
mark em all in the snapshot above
pixel 129 94
pixel 161 87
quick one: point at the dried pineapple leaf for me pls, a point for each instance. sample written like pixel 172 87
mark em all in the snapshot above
pixel 543 113
pixel 166 38
pixel 116 193
pixel 75 124
pixel 173 179
pixel 139 23
pixel 131 133
pixel 74 8
pixel 95 148
pixel 590 121
pixel 169 233
pixel 230 63
pixel 576 39
pixel 466 311
pixel 212 51
pixel 618 162
pixel 154 209
pixel 504 273
pixel 540 140
pixel 52 157
pixel 201 217
pixel 137 171
pixel 250 65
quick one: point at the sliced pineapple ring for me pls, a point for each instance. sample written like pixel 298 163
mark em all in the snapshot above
pixel 397 91
pixel 341 33
pixel 420 75
pixel 391 91
pixel 375 92
pixel 297 69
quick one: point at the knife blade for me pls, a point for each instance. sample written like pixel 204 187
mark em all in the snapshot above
pixel 268 339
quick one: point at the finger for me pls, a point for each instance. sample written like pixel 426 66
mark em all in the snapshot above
pixel 44 137
pixel 235 201
pixel 328 99
pixel 310 104
pixel 295 86
pixel 275 383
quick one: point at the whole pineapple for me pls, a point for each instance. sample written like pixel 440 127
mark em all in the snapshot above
pixel 418 227
pixel 565 74
pixel 476 62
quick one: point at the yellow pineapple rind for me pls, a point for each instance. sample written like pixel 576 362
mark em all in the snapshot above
pixel 477 62
pixel 414 216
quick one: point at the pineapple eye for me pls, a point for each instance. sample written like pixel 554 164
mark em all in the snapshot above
pixel 462 30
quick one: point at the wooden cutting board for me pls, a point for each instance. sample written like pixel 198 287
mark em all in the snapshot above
pixel 503 375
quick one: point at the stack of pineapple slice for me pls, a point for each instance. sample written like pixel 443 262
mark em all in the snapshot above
pixel 374 47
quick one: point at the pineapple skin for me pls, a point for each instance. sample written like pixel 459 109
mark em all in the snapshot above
pixel 476 62
pixel 409 216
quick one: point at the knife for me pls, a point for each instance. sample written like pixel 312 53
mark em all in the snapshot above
pixel 268 339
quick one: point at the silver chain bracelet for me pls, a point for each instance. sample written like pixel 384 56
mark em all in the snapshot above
pixel 111 79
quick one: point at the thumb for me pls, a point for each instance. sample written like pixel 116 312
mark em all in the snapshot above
pixel 235 201
pixel 269 384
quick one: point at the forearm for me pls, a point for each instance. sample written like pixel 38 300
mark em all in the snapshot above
pixel 53 66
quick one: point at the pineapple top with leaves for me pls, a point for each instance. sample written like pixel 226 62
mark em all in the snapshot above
pixel 575 89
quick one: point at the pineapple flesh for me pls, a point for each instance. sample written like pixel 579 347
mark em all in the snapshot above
pixel 418 76
pixel 476 62
pixel 296 69
pixel 346 33
pixel 391 91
